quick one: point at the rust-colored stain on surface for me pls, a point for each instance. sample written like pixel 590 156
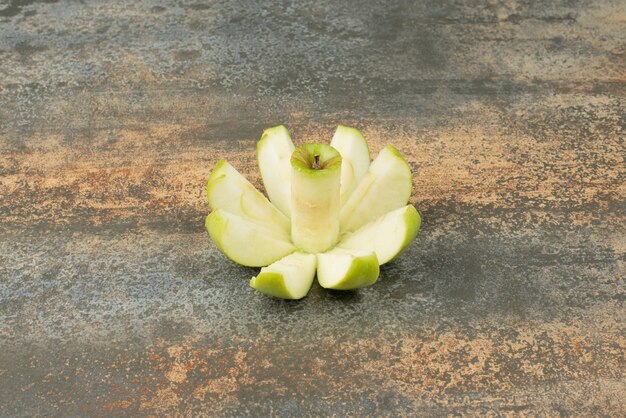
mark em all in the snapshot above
pixel 113 301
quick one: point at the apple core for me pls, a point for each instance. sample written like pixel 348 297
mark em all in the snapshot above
pixel 315 199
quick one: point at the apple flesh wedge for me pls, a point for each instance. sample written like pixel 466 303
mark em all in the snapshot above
pixel 355 155
pixel 387 236
pixel 273 153
pixel 347 269
pixel 290 277
pixel 247 242
pixel 315 205
pixel 228 190
pixel 386 186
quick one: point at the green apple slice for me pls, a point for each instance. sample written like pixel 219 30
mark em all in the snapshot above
pixel 387 236
pixel 227 189
pixel 247 242
pixel 273 153
pixel 290 277
pixel 386 186
pixel 315 205
pixel 347 269
pixel 355 154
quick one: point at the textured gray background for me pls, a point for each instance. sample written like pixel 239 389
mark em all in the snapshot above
pixel 113 300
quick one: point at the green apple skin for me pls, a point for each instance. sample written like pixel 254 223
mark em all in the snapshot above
pixel 246 242
pixel 355 155
pixel 315 201
pixel 387 236
pixel 288 278
pixel 347 270
pixel 273 152
pixel 385 187
pixel 228 190
pixel 273 284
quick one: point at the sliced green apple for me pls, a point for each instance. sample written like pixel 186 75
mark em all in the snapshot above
pixel 247 242
pixel 386 186
pixel 387 236
pixel 347 269
pixel 352 146
pixel 273 153
pixel 290 277
pixel 227 189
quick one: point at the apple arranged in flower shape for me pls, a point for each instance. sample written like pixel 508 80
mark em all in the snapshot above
pixel 330 211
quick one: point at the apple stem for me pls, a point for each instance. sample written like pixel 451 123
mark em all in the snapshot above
pixel 316 162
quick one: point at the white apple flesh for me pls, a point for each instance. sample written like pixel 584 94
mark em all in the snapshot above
pixel 315 204
pixel 386 186
pixel 288 278
pixel 227 189
pixel 273 152
pixel 387 236
pixel 355 158
pixel 247 242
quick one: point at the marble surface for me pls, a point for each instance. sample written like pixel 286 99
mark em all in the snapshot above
pixel 113 300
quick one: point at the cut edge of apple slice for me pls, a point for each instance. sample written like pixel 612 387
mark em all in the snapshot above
pixel 239 194
pixel 355 153
pixel 273 153
pixel 387 236
pixel 385 187
pixel 291 277
pixel 246 242
pixel 344 269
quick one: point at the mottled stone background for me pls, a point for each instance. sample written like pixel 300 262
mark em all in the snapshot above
pixel 113 300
